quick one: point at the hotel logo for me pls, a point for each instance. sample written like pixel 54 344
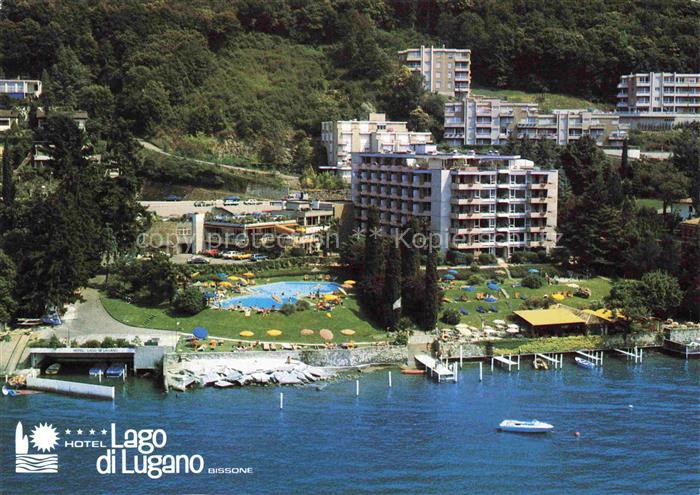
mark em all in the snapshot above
pixel 44 439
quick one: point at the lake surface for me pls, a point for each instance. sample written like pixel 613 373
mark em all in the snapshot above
pixel 272 296
pixel 416 437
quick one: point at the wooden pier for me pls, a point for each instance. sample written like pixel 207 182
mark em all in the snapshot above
pixel 557 359
pixel 634 354
pixel 596 357
pixel 505 361
pixel 435 369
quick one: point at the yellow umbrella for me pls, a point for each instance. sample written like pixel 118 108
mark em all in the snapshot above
pixel 249 274
pixel 329 315
pixel 330 297
pixel 226 284
pixel 348 331
pixel 558 297
pixel 233 278
pixel 246 333
pixel 195 274
pixel 274 333
pixel 350 282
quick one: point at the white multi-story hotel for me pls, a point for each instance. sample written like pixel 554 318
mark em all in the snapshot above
pixel 658 99
pixel 376 134
pixel 480 204
pixel 445 70
pixel 490 121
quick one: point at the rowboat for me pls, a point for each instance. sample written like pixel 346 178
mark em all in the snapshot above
pixel 116 370
pixel 584 363
pixel 412 372
pixel 98 369
pixel 516 426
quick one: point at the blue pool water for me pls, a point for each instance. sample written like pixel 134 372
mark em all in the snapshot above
pixel 287 292
pixel 416 437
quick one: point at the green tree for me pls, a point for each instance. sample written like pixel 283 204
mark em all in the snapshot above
pixel 392 286
pixel 431 306
pixel 189 301
pixel 402 93
pixel 8 192
pixel 7 285
pixel 686 157
pixel 662 294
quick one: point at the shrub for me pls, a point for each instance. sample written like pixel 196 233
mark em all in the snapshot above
pixel 533 281
pixel 302 305
pixel 487 259
pixel 475 279
pixel 91 344
pixel 297 252
pixel 459 258
pixel 474 268
pixel 189 301
pixel 288 309
pixel 450 316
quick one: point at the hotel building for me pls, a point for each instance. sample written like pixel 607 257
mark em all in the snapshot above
pixel 471 203
pixel 446 71
pixel 658 99
pixel 376 134
pixel 489 121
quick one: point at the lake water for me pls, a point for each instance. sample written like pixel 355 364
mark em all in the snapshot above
pixel 417 437
pixel 272 296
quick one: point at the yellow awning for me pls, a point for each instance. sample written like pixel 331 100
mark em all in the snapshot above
pixel 543 317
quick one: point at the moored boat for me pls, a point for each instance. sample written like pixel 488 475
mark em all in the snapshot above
pixel 98 369
pixel 516 426
pixel 540 364
pixel 412 372
pixel 116 370
pixel 53 369
pixel 584 363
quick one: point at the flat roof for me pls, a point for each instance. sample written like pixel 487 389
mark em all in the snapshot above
pixel 445 156
pixel 544 317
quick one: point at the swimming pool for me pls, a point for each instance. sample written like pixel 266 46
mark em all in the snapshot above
pixel 287 292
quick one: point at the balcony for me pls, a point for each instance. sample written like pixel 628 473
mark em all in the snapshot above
pixel 539 185
pixel 537 214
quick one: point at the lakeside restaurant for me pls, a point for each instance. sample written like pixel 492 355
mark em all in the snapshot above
pixel 553 321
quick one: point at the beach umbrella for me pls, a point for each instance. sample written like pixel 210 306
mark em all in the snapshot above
pixel 306 331
pixel 493 286
pixel 348 331
pixel 330 297
pixel 349 282
pixel 246 333
pixel 463 310
pixel 226 284
pixel 499 322
pixel 249 274
pixel 533 270
pixel 347 286
pixel 512 330
pixel 489 330
pixel 326 334
pixel 490 299
pixel 558 297
pixel 448 276
pixel 469 288
pixel 210 295
pixel 200 332
pixel 342 291
pixel 222 275
pixel 195 274
pixel 274 333
pixel 233 278
pixel 452 271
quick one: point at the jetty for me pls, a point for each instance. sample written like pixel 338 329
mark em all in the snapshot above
pixel 634 354
pixel 689 350
pixel 596 357
pixel 436 369
pixel 505 361
pixel 557 359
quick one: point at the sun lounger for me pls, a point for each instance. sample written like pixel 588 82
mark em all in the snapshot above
pixel 265 346
pixel 493 308
pixel 480 309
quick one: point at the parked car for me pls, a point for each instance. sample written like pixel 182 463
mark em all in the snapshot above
pixel 173 197
pixel 229 255
pixel 258 257
pixel 198 260
pixel 214 253
pixel 231 200
pixel 252 202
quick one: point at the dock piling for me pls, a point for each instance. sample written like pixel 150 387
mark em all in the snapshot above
pixel 357 388
pixel 281 400
pixel 390 379
pixel 461 354
pixel 481 371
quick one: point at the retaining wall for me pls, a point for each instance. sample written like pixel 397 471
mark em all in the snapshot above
pixel 684 335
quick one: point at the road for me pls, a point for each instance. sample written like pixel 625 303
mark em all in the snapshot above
pixel 88 319
pixel 291 180
pixel 179 208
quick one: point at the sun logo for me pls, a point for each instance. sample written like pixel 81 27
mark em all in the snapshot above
pixel 44 437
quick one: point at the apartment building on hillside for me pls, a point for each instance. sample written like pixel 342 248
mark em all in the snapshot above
pixel 490 121
pixel 445 70
pixel 20 88
pixel 658 99
pixel 472 203
pixel 376 134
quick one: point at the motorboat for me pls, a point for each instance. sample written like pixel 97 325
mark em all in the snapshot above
pixel 516 426
pixel 116 370
pixel 540 364
pixel 53 369
pixel 98 369
pixel 584 363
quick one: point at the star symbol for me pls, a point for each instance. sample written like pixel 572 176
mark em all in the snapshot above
pixel 67 432
pixel 376 233
pixel 92 432
pixel 104 432
pixel 80 432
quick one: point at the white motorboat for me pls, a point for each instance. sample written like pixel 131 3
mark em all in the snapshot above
pixel 584 363
pixel 516 426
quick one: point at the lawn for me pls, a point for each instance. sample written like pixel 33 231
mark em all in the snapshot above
pixel 599 289
pixel 551 101
pixel 221 323
pixel 657 204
